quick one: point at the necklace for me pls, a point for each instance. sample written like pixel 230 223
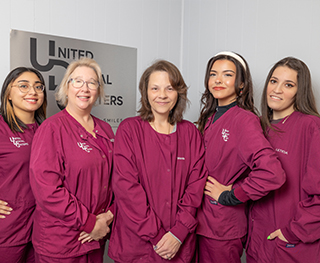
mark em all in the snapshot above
pixel 153 125
pixel 285 118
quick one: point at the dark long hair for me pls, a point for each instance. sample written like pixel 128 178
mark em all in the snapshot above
pixel 243 88
pixel 304 99
pixel 177 83
pixel 6 109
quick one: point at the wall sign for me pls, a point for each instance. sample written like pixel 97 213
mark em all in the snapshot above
pixel 51 55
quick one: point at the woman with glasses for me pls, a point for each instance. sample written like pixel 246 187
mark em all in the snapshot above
pixel 70 170
pixel 23 109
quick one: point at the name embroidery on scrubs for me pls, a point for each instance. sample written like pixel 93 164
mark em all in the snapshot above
pixel 18 142
pixel 290 245
pixel 181 158
pixel 84 146
pixel 225 134
pixel 281 151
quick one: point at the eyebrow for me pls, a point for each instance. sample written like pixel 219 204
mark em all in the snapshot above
pixel 81 77
pixel 286 80
pixel 38 81
pixel 227 70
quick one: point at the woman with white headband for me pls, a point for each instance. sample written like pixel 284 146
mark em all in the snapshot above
pixel 241 164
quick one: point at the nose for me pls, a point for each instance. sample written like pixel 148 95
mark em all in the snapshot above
pixel 217 80
pixel 163 93
pixel 277 88
pixel 32 90
pixel 85 86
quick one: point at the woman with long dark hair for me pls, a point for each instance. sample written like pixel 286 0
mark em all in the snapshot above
pixel 23 109
pixel 241 163
pixel 284 226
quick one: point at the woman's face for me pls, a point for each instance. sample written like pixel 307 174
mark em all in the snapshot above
pixel 281 91
pixel 222 80
pixel 83 98
pixel 24 101
pixel 161 95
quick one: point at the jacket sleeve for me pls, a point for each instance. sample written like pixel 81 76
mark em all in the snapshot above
pixel 130 196
pixel 186 221
pixel 305 225
pixel 46 179
pixel 266 171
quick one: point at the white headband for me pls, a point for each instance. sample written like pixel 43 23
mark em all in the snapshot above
pixel 235 56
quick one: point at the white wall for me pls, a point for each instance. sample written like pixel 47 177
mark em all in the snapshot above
pixel 185 32
pixel 151 26
pixel 262 31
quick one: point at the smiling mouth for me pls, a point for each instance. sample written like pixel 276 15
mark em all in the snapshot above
pixel 162 102
pixel 275 97
pixel 218 88
pixel 32 100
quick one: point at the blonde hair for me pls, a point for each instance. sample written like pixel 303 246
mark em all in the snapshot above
pixel 61 95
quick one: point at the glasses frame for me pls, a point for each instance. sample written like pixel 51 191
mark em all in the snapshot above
pixel 83 82
pixel 29 85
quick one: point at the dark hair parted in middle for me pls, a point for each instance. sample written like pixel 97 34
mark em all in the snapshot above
pixel 243 88
pixel 304 100
pixel 7 112
pixel 177 83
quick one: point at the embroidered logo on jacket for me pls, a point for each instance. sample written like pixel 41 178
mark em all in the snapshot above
pixel 84 146
pixel 18 142
pixel 225 134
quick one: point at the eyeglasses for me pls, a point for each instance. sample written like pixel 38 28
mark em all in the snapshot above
pixel 25 87
pixel 78 84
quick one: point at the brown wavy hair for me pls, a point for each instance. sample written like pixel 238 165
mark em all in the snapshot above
pixel 176 81
pixel 304 100
pixel 243 88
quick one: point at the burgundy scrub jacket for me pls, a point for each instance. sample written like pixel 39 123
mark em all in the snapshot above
pixel 236 153
pixel 295 207
pixel 158 183
pixel 15 188
pixel 70 179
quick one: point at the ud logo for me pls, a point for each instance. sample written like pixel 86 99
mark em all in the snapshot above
pixel 84 147
pixel 51 62
pixel 65 53
pixel 225 134
pixel 18 142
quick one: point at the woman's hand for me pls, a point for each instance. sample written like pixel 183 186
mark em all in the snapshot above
pixel 84 237
pixel 100 230
pixel 108 217
pixel 167 247
pixel 4 209
pixel 214 189
pixel 277 234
